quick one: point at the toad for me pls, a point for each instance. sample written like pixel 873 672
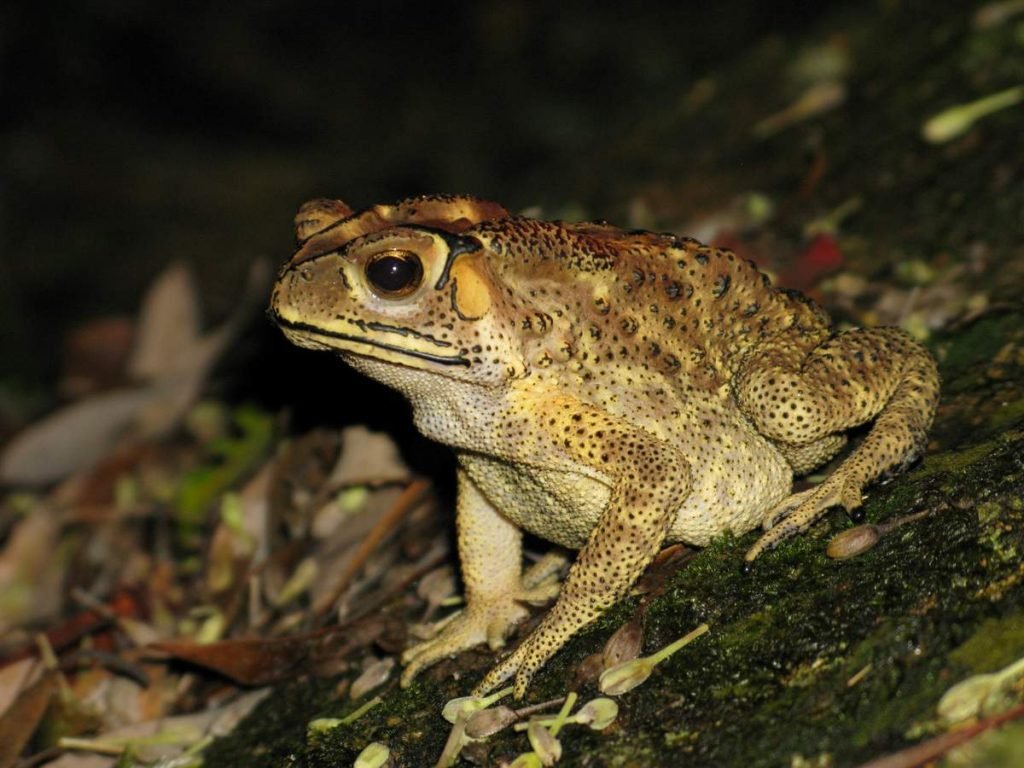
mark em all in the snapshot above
pixel 607 390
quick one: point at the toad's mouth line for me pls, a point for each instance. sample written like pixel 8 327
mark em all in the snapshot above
pixel 312 330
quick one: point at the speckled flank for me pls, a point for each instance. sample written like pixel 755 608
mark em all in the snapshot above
pixel 608 390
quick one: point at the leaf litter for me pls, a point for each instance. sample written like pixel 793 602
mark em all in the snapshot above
pixel 180 555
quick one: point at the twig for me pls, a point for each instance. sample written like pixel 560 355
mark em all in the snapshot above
pixel 940 745
pixel 526 711
pixel 411 496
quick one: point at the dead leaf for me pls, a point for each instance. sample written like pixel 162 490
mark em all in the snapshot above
pixel 298 482
pixel 71 439
pixel 22 718
pixel 248 661
pixel 624 644
pixel 181 381
pixel 374 676
pixel 410 498
pixel 665 563
pixel 368 458
pixel 821 257
pixel 16 676
pixel 30 573
pixel 254 661
pixel 96 356
pixel 169 324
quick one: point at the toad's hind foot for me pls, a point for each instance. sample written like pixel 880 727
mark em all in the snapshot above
pixel 799 512
pixel 802 399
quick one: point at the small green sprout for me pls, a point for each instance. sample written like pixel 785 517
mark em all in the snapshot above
pixel 853 541
pixel 458 712
pixel 374 755
pixel 467 705
pixel 320 726
pixel 597 714
pixel 527 760
pixel 545 745
pixel 626 676
pixel 953 122
pixel 351 717
pixel 563 713
pixel 981 695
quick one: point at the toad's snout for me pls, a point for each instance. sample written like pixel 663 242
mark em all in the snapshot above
pixel 309 290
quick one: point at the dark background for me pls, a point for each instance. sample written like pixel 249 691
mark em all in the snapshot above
pixel 133 134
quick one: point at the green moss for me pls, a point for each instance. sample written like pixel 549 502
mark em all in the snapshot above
pixel 994 749
pixel 1008 414
pixel 995 643
pixel 966 355
pixel 950 462
pixel 997 534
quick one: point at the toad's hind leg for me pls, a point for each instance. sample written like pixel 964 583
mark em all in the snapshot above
pixel 802 398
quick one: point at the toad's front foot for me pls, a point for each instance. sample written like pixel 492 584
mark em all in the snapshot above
pixel 473 626
pixel 567 616
pixel 482 621
pixel 523 662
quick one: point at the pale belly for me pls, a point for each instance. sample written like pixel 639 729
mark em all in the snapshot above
pixel 563 507
pixel 756 478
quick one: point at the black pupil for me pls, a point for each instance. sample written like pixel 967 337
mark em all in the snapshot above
pixel 394 274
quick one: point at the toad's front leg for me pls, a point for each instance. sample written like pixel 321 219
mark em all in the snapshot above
pixel 490 552
pixel 649 487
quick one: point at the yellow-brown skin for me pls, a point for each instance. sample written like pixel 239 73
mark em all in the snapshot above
pixel 607 390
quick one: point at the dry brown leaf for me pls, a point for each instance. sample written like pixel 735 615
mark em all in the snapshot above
pixel 665 563
pixel 341 533
pixel 368 458
pixel 14 677
pixel 71 439
pixel 20 720
pixel 247 661
pixel 31 574
pixel 624 644
pixel 169 324
pixel 180 380
pixel 436 587
pixel 96 355
pixel 370 557
pixel 256 510
pixel 255 661
pixel 374 676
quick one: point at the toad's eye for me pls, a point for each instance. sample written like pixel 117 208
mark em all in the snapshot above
pixel 393 274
